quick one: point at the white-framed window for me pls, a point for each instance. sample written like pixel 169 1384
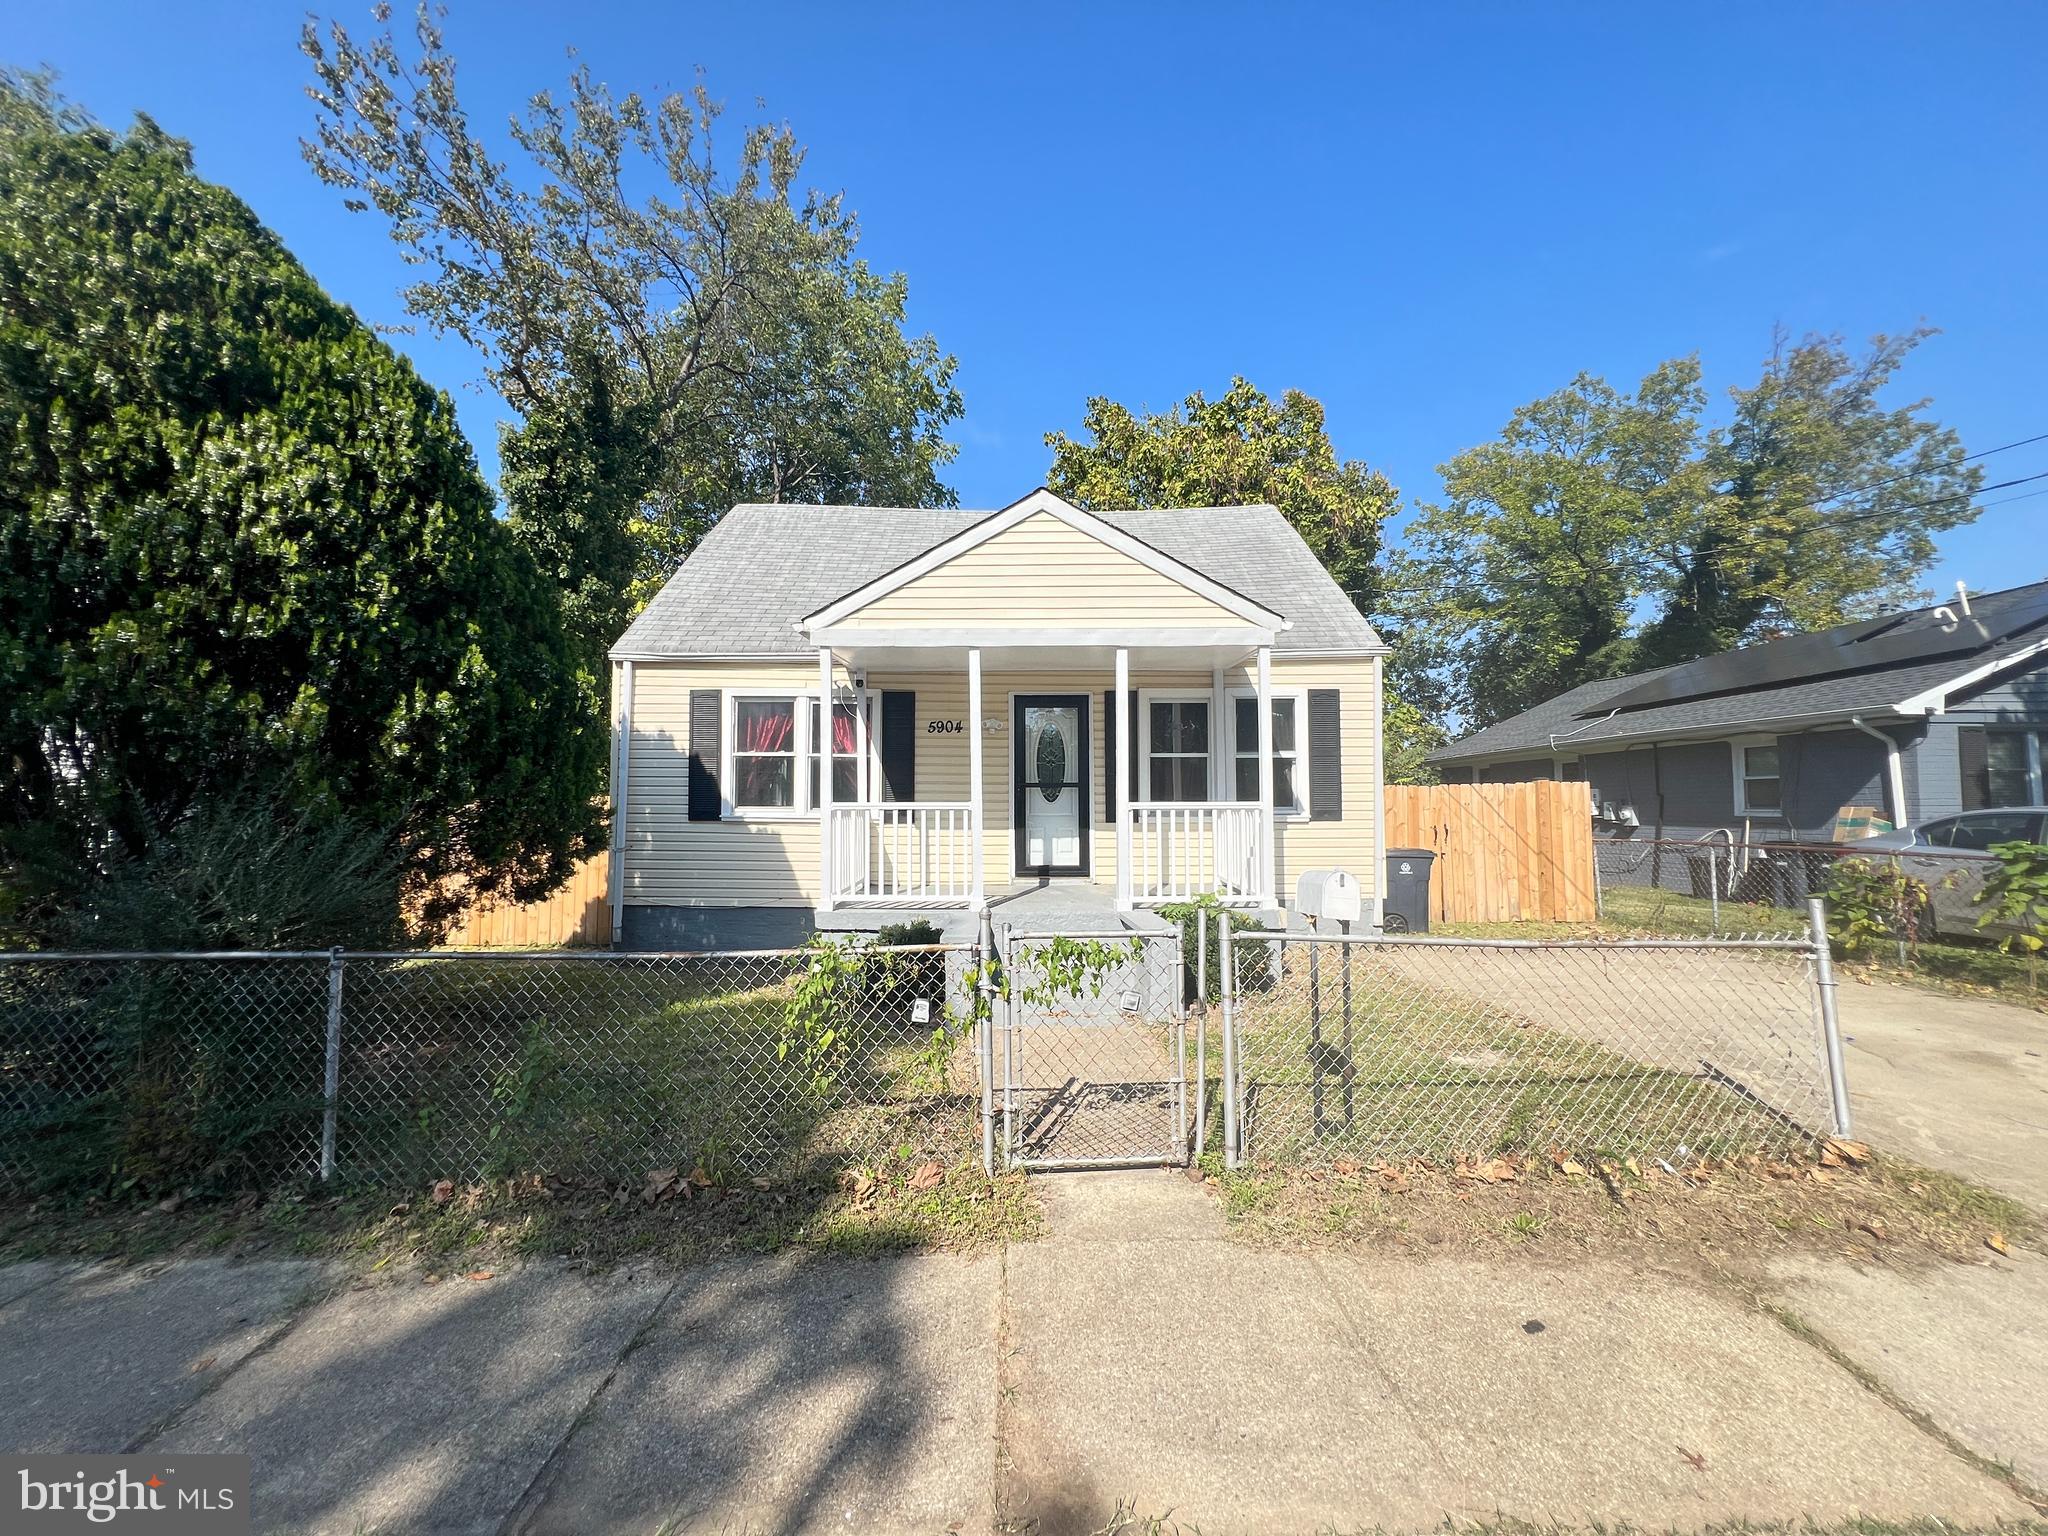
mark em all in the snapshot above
pixel 2012 764
pixel 846 752
pixel 770 768
pixel 1759 785
pixel 1175 737
pixel 761 765
pixel 1290 748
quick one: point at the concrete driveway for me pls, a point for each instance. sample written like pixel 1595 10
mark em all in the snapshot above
pixel 1957 1083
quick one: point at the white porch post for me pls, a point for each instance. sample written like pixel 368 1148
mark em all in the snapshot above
pixel 824 747
pixel 976 881
pixel 1119 787
pixel 1267 852
pixel 1222 767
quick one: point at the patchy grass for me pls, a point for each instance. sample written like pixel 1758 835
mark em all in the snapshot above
pixel 1730 1216
pixel 1420 1055
pixel 895 1204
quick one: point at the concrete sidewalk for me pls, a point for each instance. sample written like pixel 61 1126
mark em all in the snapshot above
pixel 1131 1362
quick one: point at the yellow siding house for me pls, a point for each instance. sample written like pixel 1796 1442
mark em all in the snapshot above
pixel 1129 709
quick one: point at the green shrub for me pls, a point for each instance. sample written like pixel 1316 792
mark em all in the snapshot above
pixel 1872 901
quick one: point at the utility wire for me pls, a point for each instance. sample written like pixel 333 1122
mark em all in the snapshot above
pixel 1909 474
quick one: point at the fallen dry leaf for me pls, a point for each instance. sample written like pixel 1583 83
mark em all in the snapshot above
pixel 403 1208
pixel 444 1191
pixel 1996 1243
pixel 479 1274
pixel 928 1176
pixel 1694 1459
pixel 1857 1152
pixel 699 1177
pixel 205 1364
pixel 1875 1228
pixel 762 1183
pixel 1345 1165
pixel 430 1279
pixel 662 1184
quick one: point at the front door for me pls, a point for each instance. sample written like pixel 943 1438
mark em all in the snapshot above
pixel 1049 783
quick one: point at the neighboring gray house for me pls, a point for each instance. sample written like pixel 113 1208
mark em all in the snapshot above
pixel 1914 715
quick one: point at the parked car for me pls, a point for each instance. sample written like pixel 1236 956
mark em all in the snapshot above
pixel 1951 856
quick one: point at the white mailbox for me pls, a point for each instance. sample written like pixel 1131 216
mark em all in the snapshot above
pixel 1327 895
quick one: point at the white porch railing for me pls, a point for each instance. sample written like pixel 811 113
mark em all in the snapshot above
pixel 919 851
pixel 1181 850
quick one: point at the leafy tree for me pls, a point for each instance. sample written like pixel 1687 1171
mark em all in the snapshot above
pixel 243 544
pixel 727 320
pixel 1825 509
pixel 1522 582
pixel 1606 532
pixel 1238 450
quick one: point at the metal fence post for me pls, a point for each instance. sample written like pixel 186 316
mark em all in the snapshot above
pixel 332 1084
pixel 985 1050
pixel 1201 957
pixel 1830 1025
pixel 1714 890
pixel 1230 1129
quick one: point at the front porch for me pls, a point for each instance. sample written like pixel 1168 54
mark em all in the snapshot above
pixel 1117 770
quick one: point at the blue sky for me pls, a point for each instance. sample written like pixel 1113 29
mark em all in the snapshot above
pixel 1424 216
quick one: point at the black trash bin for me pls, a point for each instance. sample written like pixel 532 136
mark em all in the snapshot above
pixel 1407 904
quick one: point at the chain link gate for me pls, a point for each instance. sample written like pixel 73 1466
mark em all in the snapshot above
pixel 1086 1055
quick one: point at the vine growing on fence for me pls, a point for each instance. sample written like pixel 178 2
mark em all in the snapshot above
pixel 1872 901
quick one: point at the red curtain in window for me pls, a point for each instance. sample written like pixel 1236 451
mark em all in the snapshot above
pixel 767 731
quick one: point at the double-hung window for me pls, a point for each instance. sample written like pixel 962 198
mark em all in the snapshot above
pixel 2012 761
pixel 773 769
pixel 764 754
pixel 1759 790
pixel 845 752
pixel 1177 749
pixel 1290 755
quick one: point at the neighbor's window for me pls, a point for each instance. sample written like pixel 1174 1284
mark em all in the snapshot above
pixel 2012 781
pixel 845 754
pixel 764 754
pixel 1757 778
pixel 1178 749
pixel 1288 779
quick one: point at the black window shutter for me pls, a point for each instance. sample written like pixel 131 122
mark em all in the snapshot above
pixel 1972 751
pixel 707 715
pixel 1325 755
pixel 1109 756
pixel 899 744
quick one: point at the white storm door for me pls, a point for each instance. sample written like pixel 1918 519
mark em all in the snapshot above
pixel 1051 785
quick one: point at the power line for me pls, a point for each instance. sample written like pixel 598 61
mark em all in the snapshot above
pixel 1967 458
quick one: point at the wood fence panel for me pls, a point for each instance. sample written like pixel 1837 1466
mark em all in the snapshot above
pixel 1505 853
pixel 578 913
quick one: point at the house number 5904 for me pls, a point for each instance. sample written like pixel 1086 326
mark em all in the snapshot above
pixel 943 727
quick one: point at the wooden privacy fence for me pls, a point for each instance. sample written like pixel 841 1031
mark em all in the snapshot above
pixel 580 912
pixel 1504 852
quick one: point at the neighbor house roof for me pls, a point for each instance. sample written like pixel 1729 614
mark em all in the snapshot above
pixel 765 567
pixel 1602 712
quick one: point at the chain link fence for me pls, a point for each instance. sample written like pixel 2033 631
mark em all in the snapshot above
pixel 1717 885
pixel 158 1070
pixel 1454 1049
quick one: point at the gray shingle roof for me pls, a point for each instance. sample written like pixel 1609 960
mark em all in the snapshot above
pixel 1577 717
pixel 764 568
